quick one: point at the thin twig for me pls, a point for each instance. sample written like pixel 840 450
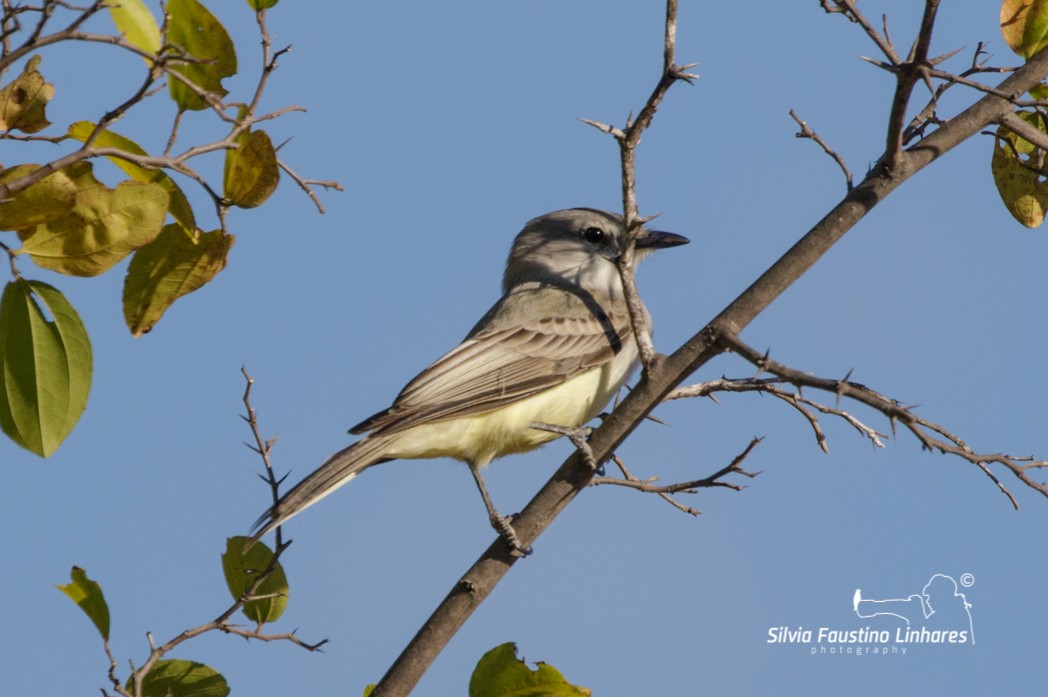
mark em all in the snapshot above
pixel 807 132
pixel 665 491
pixel 930 435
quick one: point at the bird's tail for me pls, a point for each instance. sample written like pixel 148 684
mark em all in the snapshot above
pixel 336 471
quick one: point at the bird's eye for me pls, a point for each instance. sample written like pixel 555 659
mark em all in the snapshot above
pixel 593 235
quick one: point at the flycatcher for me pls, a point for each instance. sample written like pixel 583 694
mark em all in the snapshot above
pixel 553 350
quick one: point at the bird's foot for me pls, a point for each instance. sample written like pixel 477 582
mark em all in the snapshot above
pixel 504 527
pixel 579 438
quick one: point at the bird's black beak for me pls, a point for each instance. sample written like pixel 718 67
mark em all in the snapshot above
pixel 659 239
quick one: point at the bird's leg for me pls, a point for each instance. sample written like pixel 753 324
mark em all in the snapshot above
pixel 578 437
pixel 502 524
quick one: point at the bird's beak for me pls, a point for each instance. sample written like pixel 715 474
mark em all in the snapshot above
pixel 659 239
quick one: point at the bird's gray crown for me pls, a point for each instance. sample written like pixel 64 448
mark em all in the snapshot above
pixel 578 246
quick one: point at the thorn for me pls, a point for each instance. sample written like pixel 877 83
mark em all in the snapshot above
pixel 945 56
pixel 653 216
pixel 880 64
pixel 604 128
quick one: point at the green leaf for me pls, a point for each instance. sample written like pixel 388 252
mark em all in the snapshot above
pixel 1039 91
pixel 196 31
pixel 1024 25
pixel 46 200
pixel 261 4
pixel 178 204
pixel 137 24
pixel 173 265
pixel 23 100
pixel 242 568
pixel 1035 31
pixel 88 595
pixel 1023 190
pixel 102 228
pixel 45 366
pixel 501 674
pixel 177 678
pixel 251 172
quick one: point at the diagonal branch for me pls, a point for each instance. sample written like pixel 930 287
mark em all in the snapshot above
pixel 664 375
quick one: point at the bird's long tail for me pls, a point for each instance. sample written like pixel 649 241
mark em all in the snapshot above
pixel 336 471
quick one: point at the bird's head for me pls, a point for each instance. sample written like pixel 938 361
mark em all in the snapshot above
pixel 578 246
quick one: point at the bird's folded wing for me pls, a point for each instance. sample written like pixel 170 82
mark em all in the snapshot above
pixel 504 363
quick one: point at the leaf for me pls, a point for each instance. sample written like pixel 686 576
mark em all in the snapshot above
pixel 22 101
pixel 1035 31
pixel 261 4
pixel 137 24
pixel 41 202
pixel 172 265
pixel 45 366
pixel 102 228
pixel 178 204
pixel 196 31
pixel 242 568
pixel 88 595
pixel 1024 25
pixel 1024 192
pixel 177 678
pixel 251 171
pixel 499 673
pixel 1039 91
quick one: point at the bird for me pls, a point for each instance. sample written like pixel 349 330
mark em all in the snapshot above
pixel 548 356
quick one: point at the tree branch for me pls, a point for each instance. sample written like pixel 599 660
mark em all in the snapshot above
pixel 664 375
pixel 931 436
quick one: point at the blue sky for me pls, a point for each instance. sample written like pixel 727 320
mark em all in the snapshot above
pixel 450 125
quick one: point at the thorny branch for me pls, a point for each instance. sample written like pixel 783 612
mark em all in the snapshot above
pixel 665 491
pixel 807 132
pixel 628 138
pixel 221 623
pixel 931 436
pixel 665 374
pixel 239 117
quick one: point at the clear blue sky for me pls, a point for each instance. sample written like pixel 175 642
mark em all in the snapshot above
pixel 451 125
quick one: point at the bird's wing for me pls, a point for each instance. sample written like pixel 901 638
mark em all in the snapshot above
pixel 507 358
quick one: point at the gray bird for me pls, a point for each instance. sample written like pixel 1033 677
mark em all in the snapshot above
pixel 553 350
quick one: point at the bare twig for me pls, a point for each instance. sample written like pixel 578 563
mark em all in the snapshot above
pixel 286 636
pixel 307 185
pixel 665 491
pixel 930 435
pixel 221 623
pixel 807 132
pixel 262 446
pixel 628 138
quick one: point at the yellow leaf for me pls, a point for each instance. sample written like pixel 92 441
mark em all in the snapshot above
pixel 178 205
pixel 171 266
pixel 1023 190
pixel 46 200
pixel 22 100
pixel 251 172
pixel 103 227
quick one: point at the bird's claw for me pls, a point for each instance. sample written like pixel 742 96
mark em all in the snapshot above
pixel 504 527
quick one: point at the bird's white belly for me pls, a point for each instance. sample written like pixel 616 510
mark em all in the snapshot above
pixel 480 438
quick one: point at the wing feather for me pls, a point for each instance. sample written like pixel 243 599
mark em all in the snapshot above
pixel 509 357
